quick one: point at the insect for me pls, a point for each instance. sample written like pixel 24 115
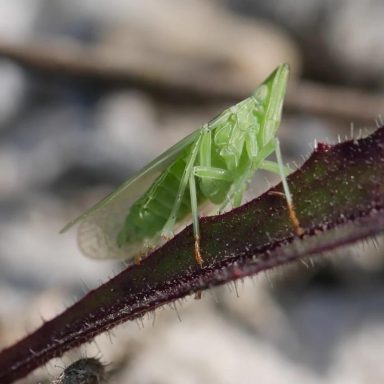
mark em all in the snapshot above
pixel 213 165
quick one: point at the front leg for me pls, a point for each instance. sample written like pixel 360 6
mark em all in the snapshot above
pixel 235 194
pixel 168 228
pixel 207 174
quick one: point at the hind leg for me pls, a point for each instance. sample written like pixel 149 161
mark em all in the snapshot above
pixel 195 219
pixel 288 196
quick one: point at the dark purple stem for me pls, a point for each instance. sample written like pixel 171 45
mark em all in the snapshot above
pixel 339 198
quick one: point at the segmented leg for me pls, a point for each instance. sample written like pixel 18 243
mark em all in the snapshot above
pixel 205 172
pixel 273 167
pixel 257 157
pixel 235 194
pixel 195 218
pixel 211 173
pixel 169 225
pixel 291 209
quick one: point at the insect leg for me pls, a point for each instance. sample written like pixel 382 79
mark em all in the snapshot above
pixel 195 218
pixel 237 197
pixel 212 173
pixel 291 209
pixel 273 167
pixel 235 194
pixel 169 225
pixel 204 170
pixel 256 155
pixel 207 174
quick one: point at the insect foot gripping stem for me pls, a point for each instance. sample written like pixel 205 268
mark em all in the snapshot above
pixel 291 213
pixel 288 196
pixel 198 258
pixel 137 258
pixel 294 220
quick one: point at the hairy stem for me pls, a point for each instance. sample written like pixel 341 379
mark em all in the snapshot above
pixel 339 199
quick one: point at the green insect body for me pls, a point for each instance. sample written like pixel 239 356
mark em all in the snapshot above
pixel 149 214
pixel 212 165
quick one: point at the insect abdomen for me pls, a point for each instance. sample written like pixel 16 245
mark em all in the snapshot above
pixel 148 215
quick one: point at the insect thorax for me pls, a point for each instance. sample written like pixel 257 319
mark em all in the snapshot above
pixel 240 126
pixel 236 137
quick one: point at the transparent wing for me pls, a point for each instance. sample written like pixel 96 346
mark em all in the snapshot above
pixel 99 225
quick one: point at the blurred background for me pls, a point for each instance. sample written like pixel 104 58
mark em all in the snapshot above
pixel 90 91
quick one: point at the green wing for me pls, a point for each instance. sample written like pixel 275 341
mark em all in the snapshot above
pixel 99 225
pixel 138 182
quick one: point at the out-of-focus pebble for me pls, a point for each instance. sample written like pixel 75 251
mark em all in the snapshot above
pixel 126 129
pixel 340 41
pixel 18 18
pixel 198 40
pixel 355 39
pixel 12 90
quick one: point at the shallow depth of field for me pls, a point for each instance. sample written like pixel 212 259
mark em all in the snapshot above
pixel 91 91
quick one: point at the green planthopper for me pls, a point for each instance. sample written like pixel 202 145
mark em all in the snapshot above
pixel 212 165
